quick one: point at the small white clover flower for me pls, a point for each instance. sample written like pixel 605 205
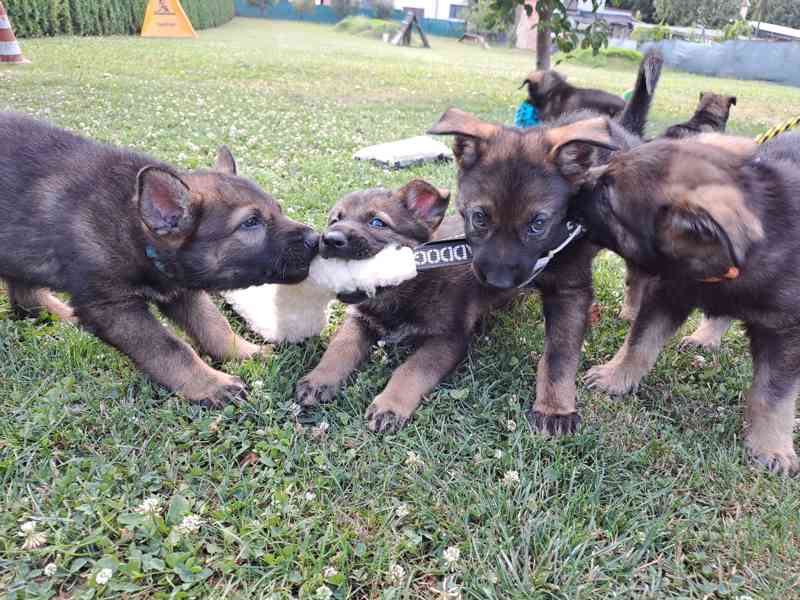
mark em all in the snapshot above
pixel 310 496
pixel 397 573
pixel 498 454
pixel 402 510
pixel 413 460
pixel 103 576
pixel 258 384
pixel 149 506
pixel 50 569
pixel 511 479
pixel 33 539
pixel 330 572
pixel 451 556
pixel 323 593
pixel 28 527
pixel 511 425
pixel 295 409
pixel 189 524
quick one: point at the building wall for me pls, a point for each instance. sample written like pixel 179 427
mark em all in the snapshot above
pixel 526 27
pixel 433 9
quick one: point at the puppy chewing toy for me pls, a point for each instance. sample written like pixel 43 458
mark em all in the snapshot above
pixel 292 313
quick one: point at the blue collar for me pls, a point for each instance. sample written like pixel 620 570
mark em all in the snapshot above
pixel 150 252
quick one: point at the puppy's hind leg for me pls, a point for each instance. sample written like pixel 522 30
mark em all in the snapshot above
pixel 771 401
pixel 420 374
pixel 708 334
pixel 27 302
pixel 348 349
pixel 635 283
pixel 656 322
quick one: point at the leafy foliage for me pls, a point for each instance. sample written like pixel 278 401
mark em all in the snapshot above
pixel 33 18
pixel 780 12
pixel 709 13
pixel 738 29
pixel 484 16
pixel 553 20
pixel 644 10
pixel 652 34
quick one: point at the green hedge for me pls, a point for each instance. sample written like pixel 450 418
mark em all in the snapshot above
pixel 32 18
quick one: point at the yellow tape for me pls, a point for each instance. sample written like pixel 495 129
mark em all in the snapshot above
pixel 776 131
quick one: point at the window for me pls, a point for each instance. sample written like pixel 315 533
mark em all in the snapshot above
pixel 458 12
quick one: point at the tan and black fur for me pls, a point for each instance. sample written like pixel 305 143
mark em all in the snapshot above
pixel 717 220
pixel 711 116
pixel 436 312
pixel 118 230
pixel 514 192
pixel 553 97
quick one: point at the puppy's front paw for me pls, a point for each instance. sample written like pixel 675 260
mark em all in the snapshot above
pixel 387 414
pixel 310 394
pixel 700 340
pixel 234 391
pixel 611 378
pixel 778 461
pixel 555 425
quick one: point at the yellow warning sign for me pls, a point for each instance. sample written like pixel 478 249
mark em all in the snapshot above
pixel 165 18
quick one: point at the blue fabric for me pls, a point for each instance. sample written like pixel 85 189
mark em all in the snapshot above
pixel 527 116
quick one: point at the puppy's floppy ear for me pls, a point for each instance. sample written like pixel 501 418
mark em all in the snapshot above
pixel 428 203
pixel 731 101
pixel 469 131
pixel 710 227
pixel 690 236
pixel 575 149
pixel 165 203
pixel 225 161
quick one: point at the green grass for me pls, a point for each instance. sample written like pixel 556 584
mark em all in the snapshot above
pixel 605 58
pixel 653 499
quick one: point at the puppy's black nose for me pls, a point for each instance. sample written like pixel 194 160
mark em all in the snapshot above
pixel 334 239
pixel 311 239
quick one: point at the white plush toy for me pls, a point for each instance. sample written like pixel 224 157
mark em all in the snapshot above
pixel 292 313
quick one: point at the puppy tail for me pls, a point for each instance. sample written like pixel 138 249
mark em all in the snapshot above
pixel 634 116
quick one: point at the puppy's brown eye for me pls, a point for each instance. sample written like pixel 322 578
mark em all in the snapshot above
pixel 478 218
pixel 252 223
pixel 537 224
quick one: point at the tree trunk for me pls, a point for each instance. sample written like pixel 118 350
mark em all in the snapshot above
pixel 543 38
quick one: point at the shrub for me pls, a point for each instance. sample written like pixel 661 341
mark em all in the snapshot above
pixel 32 18
pixel 360 25
pixel 303 7
pixel 738 29
pixel 653 34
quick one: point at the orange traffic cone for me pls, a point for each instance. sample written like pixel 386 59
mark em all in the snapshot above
pixel 10 52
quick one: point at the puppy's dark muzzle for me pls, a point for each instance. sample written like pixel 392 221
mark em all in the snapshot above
pixel 302 247
pixel 343 243
pixel 501 277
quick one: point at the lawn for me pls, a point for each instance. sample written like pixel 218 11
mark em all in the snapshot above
pixel 654 498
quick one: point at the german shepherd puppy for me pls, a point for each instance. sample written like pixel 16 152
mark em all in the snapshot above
pixel 116 230
pixel 437 311
pixel 553 97
pixel 711 116
pixel 716 219
pixel 514 191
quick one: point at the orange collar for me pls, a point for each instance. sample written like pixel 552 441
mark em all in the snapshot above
pixel 731 273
